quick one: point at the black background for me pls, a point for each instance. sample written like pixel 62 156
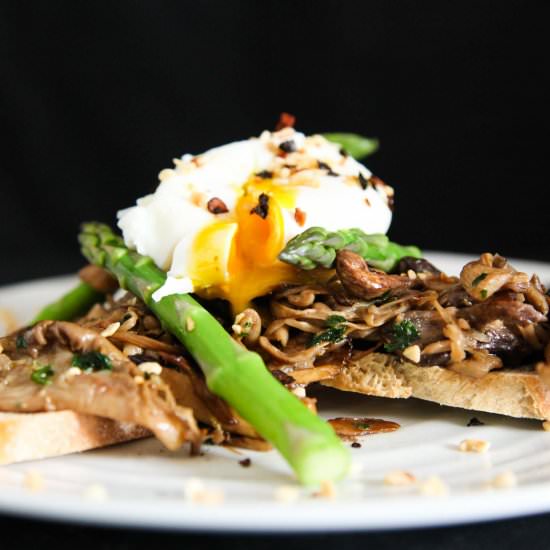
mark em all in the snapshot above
pixel 97 97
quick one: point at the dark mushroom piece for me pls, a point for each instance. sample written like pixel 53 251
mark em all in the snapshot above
pixel 365 283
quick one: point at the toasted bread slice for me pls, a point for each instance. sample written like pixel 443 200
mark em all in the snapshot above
pixel 31 436
pixel 520 393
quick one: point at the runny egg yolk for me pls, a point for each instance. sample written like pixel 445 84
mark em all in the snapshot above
pixel 237 259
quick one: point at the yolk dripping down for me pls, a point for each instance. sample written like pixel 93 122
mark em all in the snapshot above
pixel 237 260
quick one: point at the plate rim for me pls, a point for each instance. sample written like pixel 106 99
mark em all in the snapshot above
pixel 274 516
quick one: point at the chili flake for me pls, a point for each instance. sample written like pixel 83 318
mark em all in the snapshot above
pixel 216 206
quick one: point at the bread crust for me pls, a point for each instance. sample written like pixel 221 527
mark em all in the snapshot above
pixel 32 436
pixel 520 392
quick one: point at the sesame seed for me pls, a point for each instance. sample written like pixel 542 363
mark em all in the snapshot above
pixel 130 349
pixel 72 371
pixel 110 330
pixel 189 324
pixel 150 367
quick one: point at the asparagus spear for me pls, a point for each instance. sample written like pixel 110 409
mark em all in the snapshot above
pixel 317 247
pixel 237 375
pixel 357 146
pixel 76 302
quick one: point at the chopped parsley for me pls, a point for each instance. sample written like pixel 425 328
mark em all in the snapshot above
pixel 91 361
pixel 403 335
pixel 479 278
pixel 362 425
pixel 332 321
pixel 336 331
pixel 484 293
pixel 20 342
pixel 42 375
pixel 246 328
pixel 383 299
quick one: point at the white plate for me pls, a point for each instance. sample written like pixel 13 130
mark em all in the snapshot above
pixel 145 483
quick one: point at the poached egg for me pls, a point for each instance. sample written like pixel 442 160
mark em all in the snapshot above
pixel 217 221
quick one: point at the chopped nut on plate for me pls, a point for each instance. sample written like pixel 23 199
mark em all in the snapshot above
pixel 195 491
pixel 326 490
pixel 286 493
pixel 34 481
pixel 434 486
pixel 504 480
pixel 474 446
pixel 399 477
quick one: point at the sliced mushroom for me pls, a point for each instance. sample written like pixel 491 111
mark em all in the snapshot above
pixel 363 282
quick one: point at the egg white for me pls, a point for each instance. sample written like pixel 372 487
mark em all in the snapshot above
pixel 165 224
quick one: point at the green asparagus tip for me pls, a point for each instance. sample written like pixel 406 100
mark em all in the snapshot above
pixel 317 247
pixel 357 146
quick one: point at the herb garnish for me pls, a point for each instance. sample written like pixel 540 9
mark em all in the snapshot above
pixel 383 298
pixel 92 361
pixel 245 329
pixel 333 321
pixel 362 425
pixel 484 293
pixel 42 375
pixel 262 208
pixel 403 335
pixel 21 342
pixel 336 330
pixel 479 278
